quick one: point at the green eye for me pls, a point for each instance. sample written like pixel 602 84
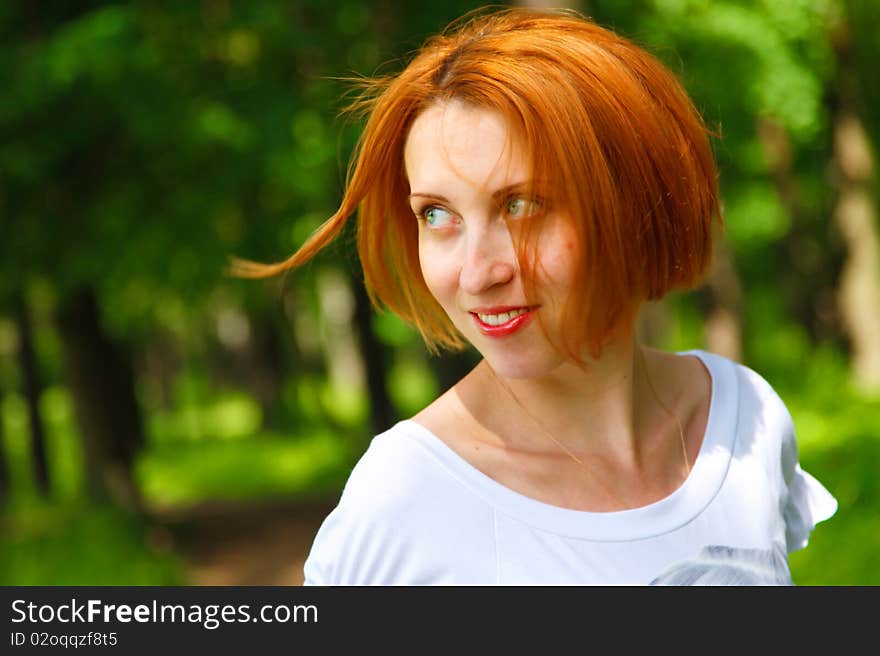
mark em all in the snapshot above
pixel 519 206
pixel 436 216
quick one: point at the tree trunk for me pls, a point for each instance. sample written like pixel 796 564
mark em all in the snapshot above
pixel 268 364
pixel 805 266
pixel 5 486
pixel 723 318
pixel 101 379
pixel 856 218
pixel 250 353
pixel 32 392
pixel 375 357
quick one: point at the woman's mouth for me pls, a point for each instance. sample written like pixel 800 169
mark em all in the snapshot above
pixel 501 322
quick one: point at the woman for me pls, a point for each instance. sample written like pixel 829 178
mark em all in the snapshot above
pixel 525 185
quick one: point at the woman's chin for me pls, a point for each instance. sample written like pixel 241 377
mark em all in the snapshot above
pixel 521 367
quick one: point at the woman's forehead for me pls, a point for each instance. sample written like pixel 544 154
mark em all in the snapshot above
pixel 453 140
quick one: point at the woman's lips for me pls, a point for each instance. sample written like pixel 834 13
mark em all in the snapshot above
pixel 522 316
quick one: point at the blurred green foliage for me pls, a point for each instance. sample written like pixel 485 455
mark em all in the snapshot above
pixel 143 143
pixel 82 544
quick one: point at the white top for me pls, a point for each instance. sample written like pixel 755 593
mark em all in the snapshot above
pixel 414 512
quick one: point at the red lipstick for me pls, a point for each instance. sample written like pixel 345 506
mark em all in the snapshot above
pixel 507 328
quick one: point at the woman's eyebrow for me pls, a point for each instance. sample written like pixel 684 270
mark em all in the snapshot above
pixel 511 188
pixel 500 193
pixel 424 195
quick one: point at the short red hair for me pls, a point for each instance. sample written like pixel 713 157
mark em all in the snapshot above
pixel 630 156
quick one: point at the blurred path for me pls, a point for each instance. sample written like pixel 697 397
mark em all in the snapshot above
pixel 233 544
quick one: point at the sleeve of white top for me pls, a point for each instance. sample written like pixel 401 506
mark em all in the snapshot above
pixel 388 523
pixel 361 540
pixel 352 547
pixel 807 501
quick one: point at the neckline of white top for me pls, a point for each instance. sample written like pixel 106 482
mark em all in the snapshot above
pixel 668 514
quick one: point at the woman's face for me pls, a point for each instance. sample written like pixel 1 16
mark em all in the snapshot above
pixel 468 181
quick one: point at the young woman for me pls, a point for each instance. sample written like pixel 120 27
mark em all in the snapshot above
pixel 525 185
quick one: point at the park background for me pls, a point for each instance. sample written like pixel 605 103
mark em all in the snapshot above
pixel 163 423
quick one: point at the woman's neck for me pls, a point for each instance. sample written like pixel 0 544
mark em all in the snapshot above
pixel 606 408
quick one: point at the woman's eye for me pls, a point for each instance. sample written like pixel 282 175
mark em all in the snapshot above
pixel 436 217
pixel 519 206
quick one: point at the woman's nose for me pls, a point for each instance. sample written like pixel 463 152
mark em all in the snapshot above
pixel 490 259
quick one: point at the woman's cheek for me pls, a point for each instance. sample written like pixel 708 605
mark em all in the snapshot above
pixel 559 252
pixel 440 273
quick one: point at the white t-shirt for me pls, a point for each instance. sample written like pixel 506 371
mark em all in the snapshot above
pixel 413 512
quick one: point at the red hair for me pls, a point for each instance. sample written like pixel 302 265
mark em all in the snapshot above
pixel 630 156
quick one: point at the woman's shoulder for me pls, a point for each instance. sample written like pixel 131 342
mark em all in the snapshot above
pixel 738 383
pixel 765 433
pixel 746 411
pixel 401 516
pixel 402 473
pixel 394 465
